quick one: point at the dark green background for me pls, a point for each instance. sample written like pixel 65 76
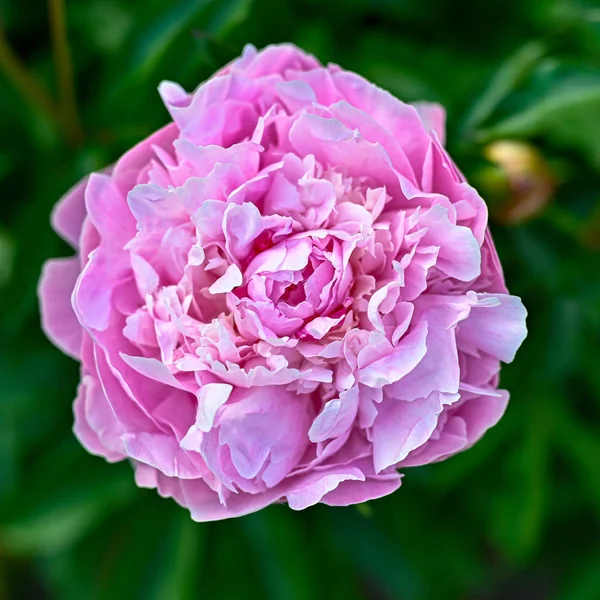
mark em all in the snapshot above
pixel 516 517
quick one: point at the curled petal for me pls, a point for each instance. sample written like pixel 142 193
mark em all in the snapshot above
pixel 319 484
pixel 402 426
pixel 230 280
pixel 498 330
pixel 336 417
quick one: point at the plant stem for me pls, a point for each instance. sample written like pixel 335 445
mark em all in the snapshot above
pixel 28 86
pixel 64 70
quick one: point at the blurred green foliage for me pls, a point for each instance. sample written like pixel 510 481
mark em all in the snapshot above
pixel 516 517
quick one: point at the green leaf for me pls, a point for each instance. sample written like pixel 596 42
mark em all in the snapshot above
pixel 578 443
pixel 506 79
pixel 586 586
pixel 64 495
pixel 376 555
pixel 177 44
pixel 149 550
pixel 182 549
pixel 233 565
pixel 284 552
pixel 520 512
pixel 155 41
pixel 225 16
pixel 545 114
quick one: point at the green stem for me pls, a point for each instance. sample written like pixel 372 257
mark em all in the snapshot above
pixel 24 82
pixel 64 70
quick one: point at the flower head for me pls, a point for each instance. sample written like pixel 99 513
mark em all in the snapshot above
pixel 287 293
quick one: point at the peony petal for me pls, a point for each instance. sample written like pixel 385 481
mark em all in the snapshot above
pixel 258 424
pixel 59 321
pixel 96 426
pixel 93 292
pixel 242 224
pixel 336 417
pixel 210 398
pixel 69 214
pixel 434 118
pixel 320 327
pixel 399 362
pixel 152 368
pixel 319 484
pixel 481 413
pixel 146 277
pixel 230 280
pixel 356 491
pixel 108 211
pixel 163 453
pixel 497 330
pixel 452 439
pixel 439 369
pixel 401 426
pixel 459 255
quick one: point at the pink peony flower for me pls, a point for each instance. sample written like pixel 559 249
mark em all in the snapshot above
pixel 287 293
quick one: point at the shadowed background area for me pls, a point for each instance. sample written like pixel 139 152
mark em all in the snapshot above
pixel 516 517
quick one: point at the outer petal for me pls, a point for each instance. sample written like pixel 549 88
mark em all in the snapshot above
pixel 69 213
pixel 401 426
pixel 459 255
pixel 317 484
pixel 204 504
pixel 132 166
pixel 497 330
pixel 202 501
pixel 163 452
pixel 58 318
pixel 451 440
pixel 277 58
pixel 433 116
pixel 401 120
pixel 96 425
pixel 356 491
pixel 481 413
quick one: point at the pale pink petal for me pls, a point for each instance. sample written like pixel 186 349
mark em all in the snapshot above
pixel 107 209
pixel 336 417
pixel 459 255
pixel 434 118
pixel 350 492
pixel 162 452
pixel 95 426
pixel 319 484
pixel 211 397
pixel 59 321
pixel 497 330
pixel 403 359
pixel 452 439
pixel 402 426
pixel 230 280
pixel 482 412
pixel 153 369
pixel 69 213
